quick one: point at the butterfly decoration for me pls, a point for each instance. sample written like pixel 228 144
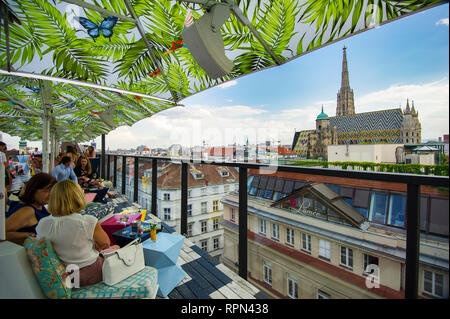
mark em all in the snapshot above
pixel 96 113
pixel 189 19
pixel 105 27
pixel 35 90
pixel 156 73
pixel 139 98
pixel 176 45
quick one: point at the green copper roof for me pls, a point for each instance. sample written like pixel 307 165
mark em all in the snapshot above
pixel 322 116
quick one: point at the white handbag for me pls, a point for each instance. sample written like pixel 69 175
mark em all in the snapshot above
pixel 124 262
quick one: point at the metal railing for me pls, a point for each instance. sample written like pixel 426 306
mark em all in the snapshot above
pixel 412 181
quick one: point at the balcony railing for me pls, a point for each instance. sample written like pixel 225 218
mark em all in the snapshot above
pixel 413 182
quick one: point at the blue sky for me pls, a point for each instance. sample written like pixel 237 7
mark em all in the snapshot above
pixel 407 58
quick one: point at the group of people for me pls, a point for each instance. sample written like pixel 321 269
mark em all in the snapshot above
pixel 77 239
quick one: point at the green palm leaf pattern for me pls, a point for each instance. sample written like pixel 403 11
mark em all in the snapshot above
pixel 46 42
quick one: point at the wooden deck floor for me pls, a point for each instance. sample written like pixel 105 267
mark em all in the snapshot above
pixel 206 278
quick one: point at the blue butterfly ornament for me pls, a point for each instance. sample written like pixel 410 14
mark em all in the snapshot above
pixel 105 27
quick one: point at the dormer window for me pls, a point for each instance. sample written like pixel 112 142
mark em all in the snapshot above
pixel 198 175
pixel 223 172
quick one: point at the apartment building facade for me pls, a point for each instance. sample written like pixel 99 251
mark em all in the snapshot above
pixel 323 237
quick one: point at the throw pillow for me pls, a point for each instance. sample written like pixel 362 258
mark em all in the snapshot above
pixel 48 268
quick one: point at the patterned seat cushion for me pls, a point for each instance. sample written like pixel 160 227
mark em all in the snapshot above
pixel 143 284
pixel 47 267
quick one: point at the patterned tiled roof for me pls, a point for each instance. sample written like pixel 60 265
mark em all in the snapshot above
pixel 371 121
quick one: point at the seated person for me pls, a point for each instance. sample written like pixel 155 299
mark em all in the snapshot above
pixel 90 152
pixel 77 239
pixel 23 216
pixel 83 170
pixel 64 171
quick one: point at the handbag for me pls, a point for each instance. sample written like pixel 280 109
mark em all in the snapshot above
pixel 122 263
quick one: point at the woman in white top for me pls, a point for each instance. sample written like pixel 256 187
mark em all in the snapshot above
pixel 77 239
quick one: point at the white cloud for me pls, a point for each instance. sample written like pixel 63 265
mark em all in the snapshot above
pixel 443 21
pixel 228 84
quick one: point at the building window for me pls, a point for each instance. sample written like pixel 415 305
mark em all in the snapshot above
pixel 267 271
pixel 215 205
pixel 324 249
pixel 347 257
pixel 189 209
pixel 290 236
pixel 204 207
pixel 233 215
pixel 189 230
pixel 262 226
pixel 166 196
pixel 378 207
pixel 275 231
pixel 322 295
pixel 252 191
pixel 167 213
pixel 189 193
pixel 204 226
pixel 215 223
pixel 204 245
pixel 216 243
pixel 371 265
pixel 397 208
pixel 306 242
pixel 433 283
pixel 268 194
pixel 203 191
pixel 292 287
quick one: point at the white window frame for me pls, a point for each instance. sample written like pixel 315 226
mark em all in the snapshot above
pixel 325 249
pixel 322 295
pixel 204 226
pixel 215 223
pixel 204 245
pixel 348 262
pixel 366 263
pixel 262 226
pixel 275 231
pixel 267 273
pixel 306 242
pixel 433 284
pixel 204 207
pixel 215 205
pixel 166 196
pixel 167 213
pixel 216 243
pixel 290 239
pixel 189 209
pixel 293 294
pixel 189 229
pixel 233 215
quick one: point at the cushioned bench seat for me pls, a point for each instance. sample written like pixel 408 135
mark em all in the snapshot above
pixel 143 284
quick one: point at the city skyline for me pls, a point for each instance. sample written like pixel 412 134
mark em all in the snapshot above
pixel 405 59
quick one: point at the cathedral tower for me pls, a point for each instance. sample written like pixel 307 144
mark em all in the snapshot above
pixel 345 101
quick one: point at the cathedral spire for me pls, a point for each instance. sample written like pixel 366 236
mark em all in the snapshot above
pixel 345 99
pixel 345 83
pixel 407 106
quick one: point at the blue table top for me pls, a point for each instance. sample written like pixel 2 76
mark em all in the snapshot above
pixel 163 241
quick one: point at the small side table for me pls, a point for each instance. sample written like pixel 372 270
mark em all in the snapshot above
pixel 123 236
pixel 113 224
pixel 162 254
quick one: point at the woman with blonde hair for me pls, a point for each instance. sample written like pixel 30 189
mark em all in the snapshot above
pixel 77 239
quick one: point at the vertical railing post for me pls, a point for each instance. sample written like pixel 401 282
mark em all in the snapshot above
pixel 124 173
pixel 115 171
pixel 108 168
pixel 102 167
pixel 136 180
pixel 154 185
pixel 412 241
pixel 184 198
pixel 243 222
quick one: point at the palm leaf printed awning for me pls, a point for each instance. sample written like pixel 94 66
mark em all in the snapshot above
pixel 145 53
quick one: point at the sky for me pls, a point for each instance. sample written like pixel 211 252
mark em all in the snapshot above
pixel 404 59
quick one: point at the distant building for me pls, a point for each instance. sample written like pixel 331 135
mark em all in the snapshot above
pixel 392 126
pixel 207 184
